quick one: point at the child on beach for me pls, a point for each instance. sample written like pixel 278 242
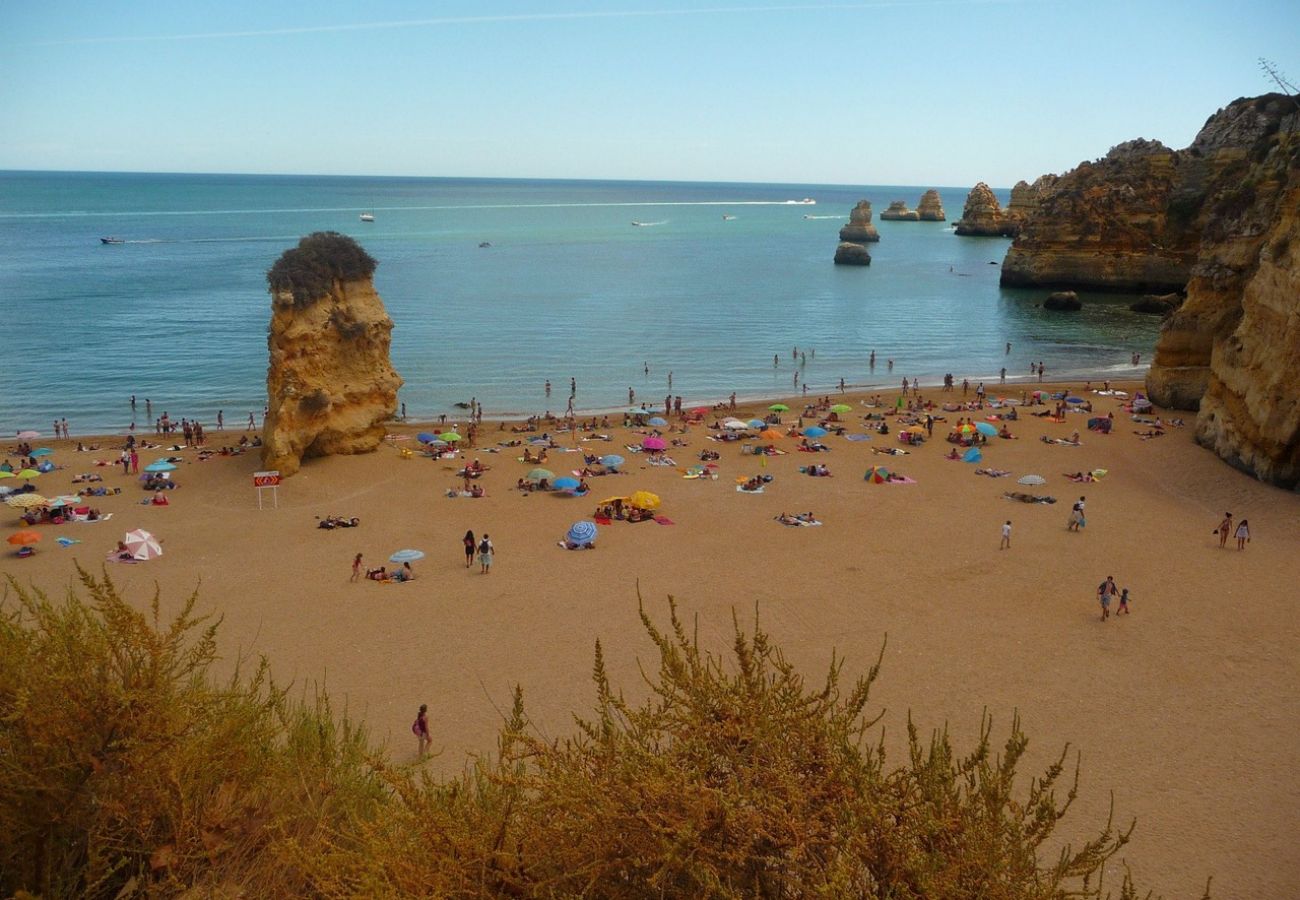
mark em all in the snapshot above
pixel 420 728
pixel 1123 603
pixel 1006 536
pixel 356 568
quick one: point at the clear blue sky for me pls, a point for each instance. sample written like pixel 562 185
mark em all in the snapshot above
pixel 893 92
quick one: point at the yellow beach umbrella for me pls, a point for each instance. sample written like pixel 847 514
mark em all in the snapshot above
pixel 916 429
pixel 644 500
pixel 26 501
pixel 29 473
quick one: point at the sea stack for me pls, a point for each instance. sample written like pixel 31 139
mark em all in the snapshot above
pixel 898 212
pixel 330 385
pixel 930 209
pixel 860 230
pixel 983 216
pixel 851 254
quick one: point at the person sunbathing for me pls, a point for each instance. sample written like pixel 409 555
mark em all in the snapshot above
pixel 380 574
pixel 953 454
pixel 1006 432
pixel 710 455
pixel 637 514
pixel 160 499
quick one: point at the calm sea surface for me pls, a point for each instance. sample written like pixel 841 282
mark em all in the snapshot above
pixel 568 288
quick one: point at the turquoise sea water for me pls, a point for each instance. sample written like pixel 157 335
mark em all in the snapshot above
pixel 568 288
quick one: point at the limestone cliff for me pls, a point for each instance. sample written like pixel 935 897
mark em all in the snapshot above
pixel 1106 225
pixel 983 215
pixel 330 385
pixel 860 230
pixel 1233 347
pixel 930 209
pixel 898 212
pixel 1025 197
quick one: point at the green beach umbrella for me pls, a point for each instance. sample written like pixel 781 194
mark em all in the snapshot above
pixel 540 475
pixel 841 408
pixel 28 473
pixel 449 436
pixel 779 407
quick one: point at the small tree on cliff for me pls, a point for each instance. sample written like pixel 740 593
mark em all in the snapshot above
pixel 309 270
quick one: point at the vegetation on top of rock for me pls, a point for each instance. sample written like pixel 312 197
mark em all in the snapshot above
pixel 126 769
pixel 309 270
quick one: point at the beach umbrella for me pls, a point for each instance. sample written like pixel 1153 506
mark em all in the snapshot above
pixel 841 408
pixel 540 474
pixel 986 428
pixel 757 423
pixel 972 455
pixel 613 500
pixel 65 500
pixel 405 556
pixel 41 451
pixel 815 432
pixel 779 407
pixel 644 500
pixel 657 421
pixel 612 461
pixel 28 473
pixel 4 474
pixel 565 484
pixel 28 435
pixel 1073 399
pixel 161 465
pixel 966 428
pixel 450 437
pixel 734 425
pixel 877 475
pixel 142 545
pixel 771 434
pixel 23 538
pixel 654 443
pixel 916 429
pixel 26 501
pixel 425 437
pixel 583 532
pixel 1032 479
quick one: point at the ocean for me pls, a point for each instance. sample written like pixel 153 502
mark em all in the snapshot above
pixel 715 281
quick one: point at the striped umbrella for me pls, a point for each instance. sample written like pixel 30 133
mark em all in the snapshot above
pixel 142 545
pixel 583 532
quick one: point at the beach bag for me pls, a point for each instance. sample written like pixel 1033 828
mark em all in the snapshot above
pixel 415 728
pixel 484 546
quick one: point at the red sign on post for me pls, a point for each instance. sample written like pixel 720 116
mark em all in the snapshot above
pixel 266 479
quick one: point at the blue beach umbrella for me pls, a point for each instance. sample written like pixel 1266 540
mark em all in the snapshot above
pixel 1073 399
pixel 815 432
pixel 657 421
pixel 161 465
pixel 972 455
pixel 425 438
pixel 583 532
pixel 565 484
pixel 757 423
pixel 986 428
pixel 403 556
pixel 612 461
pixel 41 451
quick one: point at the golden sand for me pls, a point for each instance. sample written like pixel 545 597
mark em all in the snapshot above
pixel 1186 710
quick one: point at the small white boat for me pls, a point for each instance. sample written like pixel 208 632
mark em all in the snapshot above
pixel 367 217
pixel 727 218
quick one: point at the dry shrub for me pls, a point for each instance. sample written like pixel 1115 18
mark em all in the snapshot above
pixel 124 768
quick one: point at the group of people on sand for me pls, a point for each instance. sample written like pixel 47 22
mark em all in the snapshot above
pixel 1226 529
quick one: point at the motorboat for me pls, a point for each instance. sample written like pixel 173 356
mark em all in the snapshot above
pixel 111 240
pixel 727 218
pixel 367 217
pixel 485 244
pixel 806 201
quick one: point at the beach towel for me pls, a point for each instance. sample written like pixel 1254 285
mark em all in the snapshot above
pixel 664 520
pixel 115 557
pixel 103 517
pixel 603 520
pixel 66 541
pixel 743 490
pixel 798 523
pixel 901 479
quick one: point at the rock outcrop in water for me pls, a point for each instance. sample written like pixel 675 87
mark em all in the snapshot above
pixel 898 212
pixel 851 254
pixel 983 216
pixel 930 209
pixel 330 384
pixel 860 230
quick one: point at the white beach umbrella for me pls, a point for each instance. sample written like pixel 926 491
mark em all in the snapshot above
pixel 1032 479
pixel 142 544
pixel 735 425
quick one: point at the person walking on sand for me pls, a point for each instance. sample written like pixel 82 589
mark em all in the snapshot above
pixel 1077 520
pixel 1243 534
pixel 470 546
pixel 1106 591
pixel 356 568
pixel 420 728
pixel 485 549
pixel 1006 536
pixel 1224 529
pixel 252 426
pixel 1123 603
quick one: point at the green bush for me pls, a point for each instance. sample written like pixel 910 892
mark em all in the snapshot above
pixel 309 270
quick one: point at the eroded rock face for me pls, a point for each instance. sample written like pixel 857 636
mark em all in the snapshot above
pixel 1157 304
pixel 982 216
pixel 898 212
pixel 1063 301
pixel 930 209
pixel 330 384
pixel 851 254
pixel 860 230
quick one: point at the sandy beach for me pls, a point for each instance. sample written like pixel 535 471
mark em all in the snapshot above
pixel 1185 711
